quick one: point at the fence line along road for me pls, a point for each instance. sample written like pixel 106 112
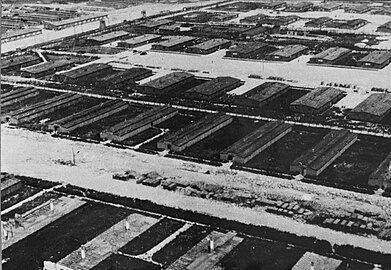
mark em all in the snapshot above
pixel 181 107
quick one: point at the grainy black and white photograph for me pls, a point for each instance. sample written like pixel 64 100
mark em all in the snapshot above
pixel 195 134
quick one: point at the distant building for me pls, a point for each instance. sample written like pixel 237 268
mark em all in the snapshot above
pixel 258 32
pixel 274 5
pixel 381 177
pixel 318 261
pixel 39 109
pixel 259 140
pixel 246 50
pixel 331 55
pixel 386 28
pixel 373 109
pixel 375 59
pixel 17 62
pixel 262 94
pixel 58 25
pixel 19 34
pixel 166 83
pixel 213 88
pixel 83 74
pixel 196 17
pixel 169 29
pixel 254 19
pixel 354 24
pixel 314 161
pixel 195 132
pixel 209 46
pixel 287 53
pixel 360 9
pixel 123 78
pixel 280 20
pixel 299 7
pixel 222 17
pixel 138 124
pixel 328 6
pixel 152 26
pixel 317 100
pixel 318 22
pixel 174 43
pixel 382 11
pixel 17 95
pixel 9 186
pixel 139 41
pixel 107 37
pixel 47 68
pixel 87 116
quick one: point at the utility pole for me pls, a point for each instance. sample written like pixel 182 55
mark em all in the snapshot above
pixel 73 157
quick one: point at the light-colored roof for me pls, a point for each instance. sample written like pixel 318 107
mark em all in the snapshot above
pixel 213 86
pixel 109 36
pixel 376 104
pixel 19 60
pixel 386 25
pixel 318 98
pixel 289 50
pixel 154 24
pixel 376 57
pixel 210 44
pixel 245 48
pixel 320 262
pixel 8 182
pixel 263 92
pixel 332 53
pixel 86 70
pixel 175 40
pixel 300 4
pixel 141 39
pixel 168 80
pixel 46 66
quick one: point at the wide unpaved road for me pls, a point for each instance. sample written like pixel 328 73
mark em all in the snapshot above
pixel 34 154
